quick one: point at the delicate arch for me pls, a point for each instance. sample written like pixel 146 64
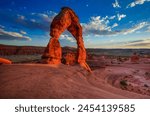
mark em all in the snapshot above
pixel 66 19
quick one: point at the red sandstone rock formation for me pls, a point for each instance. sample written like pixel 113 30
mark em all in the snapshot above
pixel 5 61
pixel 70 58
pixel 66 19
pixel 135 58
pixel 20 50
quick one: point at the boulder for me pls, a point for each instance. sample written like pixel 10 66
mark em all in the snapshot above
pixel 5 61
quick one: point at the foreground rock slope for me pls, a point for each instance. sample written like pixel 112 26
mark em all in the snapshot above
pixel 57 81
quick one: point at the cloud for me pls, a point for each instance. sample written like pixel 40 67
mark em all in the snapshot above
pixel 37 21
pixel 23 32
pixel 138 43
pixel 116 4
pixel 148 29
pixel 137 2
pixel 41 16
pixel 7 35
pixel 33 21
pixel 30 24
pixel 134 28
pixel 112 17
pixel 67 37
pixel 101 26
pixel 1 26
pixel 96 25
pixel 120 16
pixel 46 17
pixel 114 25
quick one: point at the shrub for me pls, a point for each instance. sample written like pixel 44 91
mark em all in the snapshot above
pixel 123 83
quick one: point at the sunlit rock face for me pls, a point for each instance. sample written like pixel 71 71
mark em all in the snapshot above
pixel 5 61
pixel 70 58
pixel 66 19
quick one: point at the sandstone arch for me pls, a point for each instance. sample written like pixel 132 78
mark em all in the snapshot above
pixel 66 19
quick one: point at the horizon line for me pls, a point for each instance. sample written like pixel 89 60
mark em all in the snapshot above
pixel 74 47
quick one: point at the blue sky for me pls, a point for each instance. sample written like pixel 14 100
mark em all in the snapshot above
pixel 106 23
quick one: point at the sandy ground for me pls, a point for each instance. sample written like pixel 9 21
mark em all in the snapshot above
pixel 62 81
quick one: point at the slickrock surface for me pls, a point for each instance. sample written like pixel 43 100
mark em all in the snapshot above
pixel 62 81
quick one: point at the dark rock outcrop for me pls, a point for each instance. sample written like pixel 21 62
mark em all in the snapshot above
pixel 20 50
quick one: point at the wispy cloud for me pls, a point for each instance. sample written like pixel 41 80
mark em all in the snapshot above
pixel 120 16
pixel 134 28
pixel 41 21
pixel 148 29
pixel 1 26
pixel 138 43
pixel 37 21
pixel 67 37
pixel 45 17
pixel 114 25
pixel 116 4
pixel 33 21
pixel 112 17
pixel 137 2
pixel 8 35
pixel 23 32
pixel 97 25
pixel 101 26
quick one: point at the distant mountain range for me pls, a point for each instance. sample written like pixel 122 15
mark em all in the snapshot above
pixel 33 50
pixel 20 50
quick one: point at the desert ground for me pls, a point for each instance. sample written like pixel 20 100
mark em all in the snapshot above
pixel 114 74
pixel 126 80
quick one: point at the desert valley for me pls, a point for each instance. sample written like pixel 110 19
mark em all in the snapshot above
pixel 116 73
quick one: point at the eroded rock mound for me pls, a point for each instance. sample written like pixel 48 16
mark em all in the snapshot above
pixel 5 61
pixel 135 58
pixel 66 19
